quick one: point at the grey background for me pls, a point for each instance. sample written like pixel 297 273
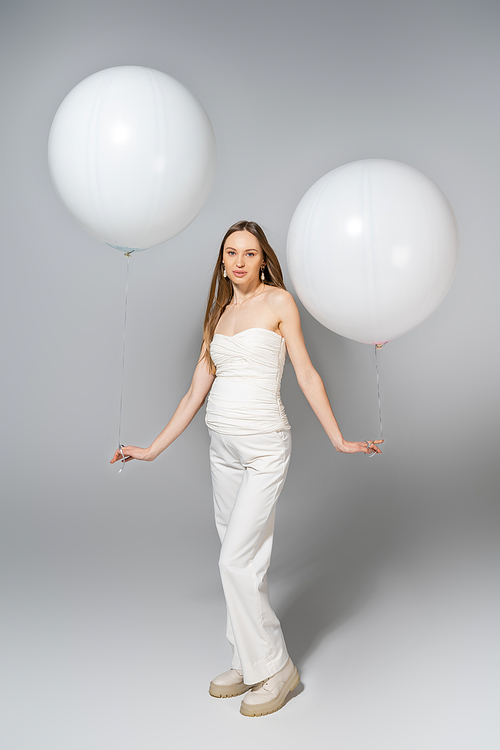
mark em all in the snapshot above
pixel 385 572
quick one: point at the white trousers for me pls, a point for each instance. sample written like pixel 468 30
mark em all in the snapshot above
pixel 248 474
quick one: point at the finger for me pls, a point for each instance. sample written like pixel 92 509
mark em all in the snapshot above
pixel 372 447
pixel 125 452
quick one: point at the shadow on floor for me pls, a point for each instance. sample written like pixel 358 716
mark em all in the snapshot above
pixel 333 575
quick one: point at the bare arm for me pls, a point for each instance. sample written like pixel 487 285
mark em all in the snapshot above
pixel 310 381
pixel 183 415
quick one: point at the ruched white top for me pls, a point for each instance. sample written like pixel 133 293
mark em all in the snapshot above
pixel 245 395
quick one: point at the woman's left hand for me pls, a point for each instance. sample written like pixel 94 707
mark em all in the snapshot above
pixel 370 447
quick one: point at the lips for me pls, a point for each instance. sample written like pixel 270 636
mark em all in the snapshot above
pixel 239 273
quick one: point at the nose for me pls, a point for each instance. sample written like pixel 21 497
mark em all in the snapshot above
pixel 240 262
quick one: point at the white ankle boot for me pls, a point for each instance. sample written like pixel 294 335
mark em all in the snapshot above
pixel 269 696
pixel 228 684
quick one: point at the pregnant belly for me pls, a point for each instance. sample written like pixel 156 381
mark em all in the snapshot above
pixel 245 407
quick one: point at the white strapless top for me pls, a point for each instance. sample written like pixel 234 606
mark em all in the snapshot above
pixel 245 395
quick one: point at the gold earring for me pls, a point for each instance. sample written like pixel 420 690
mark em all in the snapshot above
pixel 224 271
pixel 262 277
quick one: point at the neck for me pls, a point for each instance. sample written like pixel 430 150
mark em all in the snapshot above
pixel 242 292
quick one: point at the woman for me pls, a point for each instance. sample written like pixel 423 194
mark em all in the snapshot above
pixel 251 321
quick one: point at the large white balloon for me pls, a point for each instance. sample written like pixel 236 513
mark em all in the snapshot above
pixel 132 156
pixel 372 249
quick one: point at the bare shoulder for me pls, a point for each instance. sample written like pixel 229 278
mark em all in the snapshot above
pixel 282 302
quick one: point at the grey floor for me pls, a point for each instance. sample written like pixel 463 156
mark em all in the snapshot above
pixel 110 642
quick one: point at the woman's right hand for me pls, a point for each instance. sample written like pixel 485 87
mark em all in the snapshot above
pixel 189 405
pixel 130 452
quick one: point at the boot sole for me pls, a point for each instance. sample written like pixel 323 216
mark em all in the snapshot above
pixel 228 691
pixel 263 709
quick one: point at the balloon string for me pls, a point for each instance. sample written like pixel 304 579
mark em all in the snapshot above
pixel 120 446
pixel 377 347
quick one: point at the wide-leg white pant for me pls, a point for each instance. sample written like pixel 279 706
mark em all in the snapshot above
pixel 248 474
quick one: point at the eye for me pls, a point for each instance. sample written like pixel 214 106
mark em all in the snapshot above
pixel 250 255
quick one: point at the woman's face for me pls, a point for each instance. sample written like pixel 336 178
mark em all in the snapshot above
pixel 242 257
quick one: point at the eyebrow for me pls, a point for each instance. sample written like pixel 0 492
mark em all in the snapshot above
pixel 247 249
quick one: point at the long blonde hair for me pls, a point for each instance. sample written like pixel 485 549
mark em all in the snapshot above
pixel 221 289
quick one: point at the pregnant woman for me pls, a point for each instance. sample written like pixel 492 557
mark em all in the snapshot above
pixel 250 324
